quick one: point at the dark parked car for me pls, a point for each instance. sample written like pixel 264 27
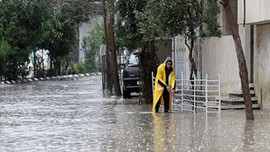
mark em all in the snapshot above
pixel 131 81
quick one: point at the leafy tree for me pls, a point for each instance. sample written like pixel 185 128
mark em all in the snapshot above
pixel 60 32
pixel 192 19
pixel 21 21
pixel 5 49
pixel 21 25
pixel 127 31
pixel 91 46
pixel 127 23
pixel 78 10
pixel 145 21
pixel 59 37
pixel 53 24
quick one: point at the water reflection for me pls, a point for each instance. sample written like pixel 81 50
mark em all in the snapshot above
pixel 249 136
pixel 164 132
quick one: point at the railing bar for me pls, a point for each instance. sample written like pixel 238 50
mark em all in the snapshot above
pixel 212 96
pixel 199 93
pixel 188 100
pixel 153 83
pixel 182 75
pixel 199 101
pixel 194 89
pixel 219 101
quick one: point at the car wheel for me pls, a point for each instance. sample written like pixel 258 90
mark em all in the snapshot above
pixel 126 94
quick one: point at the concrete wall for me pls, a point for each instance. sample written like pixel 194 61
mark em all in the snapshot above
pixel 164 49
pixel 262 63
pixel 218 56
pixel 257 11
pixel 214 56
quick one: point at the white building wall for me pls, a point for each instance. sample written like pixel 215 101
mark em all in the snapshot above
pixel 257 11
pixel 84 29
pixel 181 58
pixel 262 63
pixel 218 56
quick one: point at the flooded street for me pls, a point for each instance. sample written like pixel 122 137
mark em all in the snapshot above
pixel 73 116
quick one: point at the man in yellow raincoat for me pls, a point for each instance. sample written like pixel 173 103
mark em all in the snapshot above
pixel 164 86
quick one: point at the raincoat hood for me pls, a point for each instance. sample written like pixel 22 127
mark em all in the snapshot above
pixel 168 59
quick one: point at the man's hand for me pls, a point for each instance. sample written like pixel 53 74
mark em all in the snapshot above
pixel 168 88
pixel 172 92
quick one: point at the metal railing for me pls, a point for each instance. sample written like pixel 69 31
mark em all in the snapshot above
pixel 153 84
pixel 193 95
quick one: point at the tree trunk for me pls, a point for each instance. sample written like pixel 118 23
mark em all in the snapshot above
pixel 243 72
pixel 148 63
pixel 35 62
pixel 51 63
pixel 57 67
pixel 191 60
pixel 107 70
pixel 103 63
pixel 113 55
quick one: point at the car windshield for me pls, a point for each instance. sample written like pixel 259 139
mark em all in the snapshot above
pixel 133 60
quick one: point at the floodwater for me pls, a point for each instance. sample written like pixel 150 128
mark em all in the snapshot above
pixel 73 116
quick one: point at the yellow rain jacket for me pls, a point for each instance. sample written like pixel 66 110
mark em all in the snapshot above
pixel 161 75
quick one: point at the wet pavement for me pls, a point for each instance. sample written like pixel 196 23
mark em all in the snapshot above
pixel 73 116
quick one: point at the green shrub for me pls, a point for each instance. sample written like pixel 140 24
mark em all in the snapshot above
pixel 81 67
pixel 73 70
pixel 41 73
pixel 77 68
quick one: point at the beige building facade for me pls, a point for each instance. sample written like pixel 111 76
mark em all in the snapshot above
pixel 217 55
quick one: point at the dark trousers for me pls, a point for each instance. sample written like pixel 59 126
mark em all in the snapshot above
pixel 165 95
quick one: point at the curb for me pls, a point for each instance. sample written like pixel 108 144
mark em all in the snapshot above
pixel 56 78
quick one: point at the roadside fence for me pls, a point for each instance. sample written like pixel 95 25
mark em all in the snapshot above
pixel 196 94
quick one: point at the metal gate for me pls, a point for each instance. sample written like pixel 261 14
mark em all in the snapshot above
pixel 193 95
